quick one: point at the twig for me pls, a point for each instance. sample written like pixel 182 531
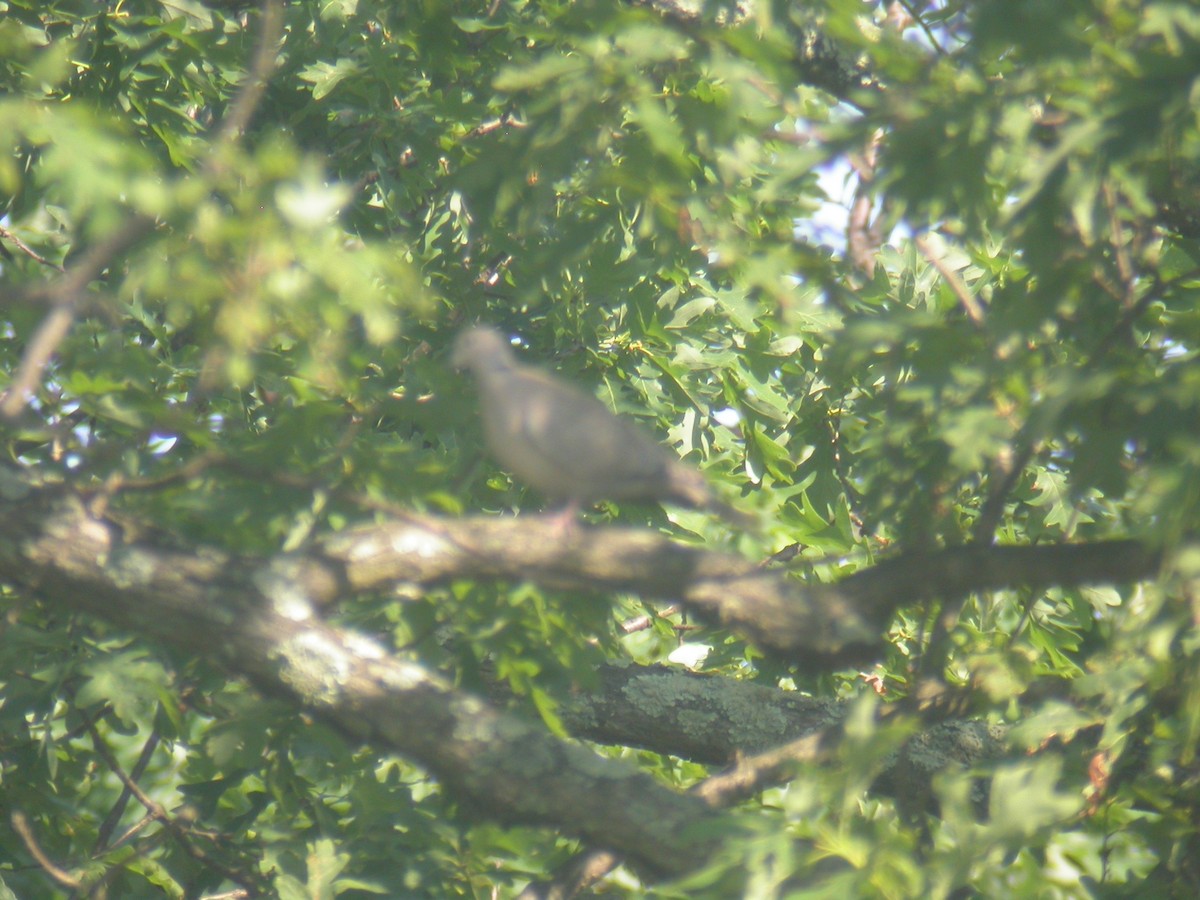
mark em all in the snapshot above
pixel 68 293
pixel 21 826
pixel 7 235
pixel 134 829
pixel 951 277
pixel 748 776
pixel 926 30
pixel 576 876
pixel 1030 438
pixel 641 623
pixel 156 809
pixel 114 816
pixel 508 120
pixel 1120 252
pixel 117 482
pixel 862 235
pixel 247 100
pixel 853 497
pixel 49 335
pixel 152 806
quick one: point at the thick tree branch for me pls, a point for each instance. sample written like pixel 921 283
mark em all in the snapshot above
pixel 705 718
pixel 665 709
pixel 812 626
pixel 957 571
pixel 760 732
pixel 256 620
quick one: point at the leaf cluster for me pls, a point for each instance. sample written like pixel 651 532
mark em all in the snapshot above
pixel 257 358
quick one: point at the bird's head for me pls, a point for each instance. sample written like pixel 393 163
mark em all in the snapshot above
pixel 481 347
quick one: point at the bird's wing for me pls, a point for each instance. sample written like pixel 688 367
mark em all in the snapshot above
pixel 575 447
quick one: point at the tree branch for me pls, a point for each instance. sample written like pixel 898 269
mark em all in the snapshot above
pixel 813 626
pixel 256 619
pixel 68 292
pixel 704 718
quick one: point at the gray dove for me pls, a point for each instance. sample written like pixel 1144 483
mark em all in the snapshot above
pixel 565 443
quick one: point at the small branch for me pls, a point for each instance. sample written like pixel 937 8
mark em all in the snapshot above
pixel 1120 252
pixel 851 493
pixel 743 780
pixel 508 120
pixel 67 293
pixel 1030 438
pixel 572 879
pixel 261 67
pixel 21 826
pixel 256 619
pixel 915 16
pixel 909 776
pixel 118 810
pixel 753 773
pixel 7 235
pixel 92 262
pixel 136 828
pixel 156 810
pixel 641 623
pixel 990 513
pixel 951 277
pixel 46 340
pixel 719 791
pixel 862 235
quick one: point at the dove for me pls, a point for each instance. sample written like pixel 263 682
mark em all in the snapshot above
pixel 564 442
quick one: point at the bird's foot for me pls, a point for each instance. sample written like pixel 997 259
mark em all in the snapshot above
pixel 565 521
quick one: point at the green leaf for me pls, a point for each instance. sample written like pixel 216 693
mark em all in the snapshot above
pixel 1025 798
pixel 325 77
pixel 131 682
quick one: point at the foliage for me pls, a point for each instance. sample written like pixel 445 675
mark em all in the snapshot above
pixel 262 358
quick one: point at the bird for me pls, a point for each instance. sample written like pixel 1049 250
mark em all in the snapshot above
pixel 565 443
